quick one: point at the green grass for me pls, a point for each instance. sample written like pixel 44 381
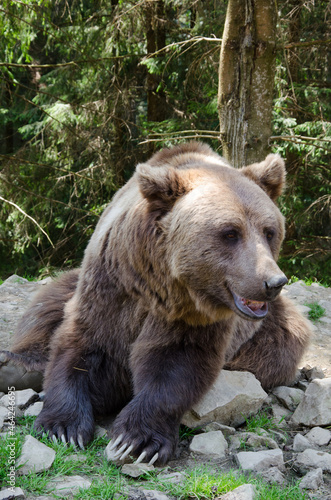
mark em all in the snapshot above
pixel 260 420
pixel 203 483
pixel 316 311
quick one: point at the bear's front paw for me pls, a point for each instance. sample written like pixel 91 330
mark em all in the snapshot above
pixel 150 439
pixel 75 431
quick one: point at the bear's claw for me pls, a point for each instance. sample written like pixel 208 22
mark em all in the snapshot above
pixel 125 449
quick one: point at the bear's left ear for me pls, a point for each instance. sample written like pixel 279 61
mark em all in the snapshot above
pixel 269 175
pixel 161 186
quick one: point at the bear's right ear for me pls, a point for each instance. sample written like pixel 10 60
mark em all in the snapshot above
pixel 268 174
pixel 161 186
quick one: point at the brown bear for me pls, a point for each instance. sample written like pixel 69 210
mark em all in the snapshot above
pixel 178 280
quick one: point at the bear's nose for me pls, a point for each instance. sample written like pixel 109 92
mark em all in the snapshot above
pixel 274 284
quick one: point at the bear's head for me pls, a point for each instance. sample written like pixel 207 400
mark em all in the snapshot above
pixel 220 227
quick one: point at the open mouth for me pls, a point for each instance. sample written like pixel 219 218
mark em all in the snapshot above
pixel 254 309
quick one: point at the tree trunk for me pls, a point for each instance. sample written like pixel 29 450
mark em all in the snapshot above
pixel 246 80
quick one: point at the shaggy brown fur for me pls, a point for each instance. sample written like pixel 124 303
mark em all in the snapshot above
pixel 176 281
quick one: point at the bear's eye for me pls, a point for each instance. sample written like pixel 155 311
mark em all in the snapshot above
pixel 269 234
pixel 231 235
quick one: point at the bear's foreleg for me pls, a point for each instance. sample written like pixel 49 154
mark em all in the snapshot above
pixel 275 350
pixel 67 413
pixel 172 365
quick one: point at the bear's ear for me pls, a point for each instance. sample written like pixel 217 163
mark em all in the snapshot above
pixel 161 186
pixel 269 175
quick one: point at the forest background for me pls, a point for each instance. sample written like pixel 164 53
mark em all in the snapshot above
pixel 89 88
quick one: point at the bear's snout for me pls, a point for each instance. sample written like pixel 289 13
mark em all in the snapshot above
pixel 274 285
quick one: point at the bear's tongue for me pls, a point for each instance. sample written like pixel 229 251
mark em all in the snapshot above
pixel 252 308
pixel 254 305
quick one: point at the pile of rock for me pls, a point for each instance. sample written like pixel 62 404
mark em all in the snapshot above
pixel 298 443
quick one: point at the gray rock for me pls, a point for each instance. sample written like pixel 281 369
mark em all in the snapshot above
pixel 34 410
pixel 210 443
pixel 3 415
pixel 300 443
pixel 260 460
pixel 303 309
pixel 273 475
pixel 243 492
pixel 22 399
pixel 319 436
pixel 251 440
pixel 19 377
pixel 315 372
pixel 100 431
pixel 68 485
pixel 281 415
pixel 136 470
pixel 12 493
pixel 15 295
pixel 35 456
pixel 288 396
pixel 313 459
pixel 233 396
pixel 216 426
pixel 279 437
pixel 155 495
pixel 315 407
pixel 302 384
pixel 312 480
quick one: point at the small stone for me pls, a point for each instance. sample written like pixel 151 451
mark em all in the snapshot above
pixel 315 407
pixel 319 436
pixel 243 492
pixel 280 415
pixel 3 416
pixel 21 400
pixel 310 459
pixel 35 456
pixel 279 436
pixel 155 495
pixel 136 470
pixel 312 373
pixel 260 460
pixel 300 443
pixel 34 410
pixel 210 443
pixel 99 432
pixel 312 480
pixel 216 426
pixel 273 475
pixel 11 494
pixel 68 485
pixel 288 396
pixel 251 440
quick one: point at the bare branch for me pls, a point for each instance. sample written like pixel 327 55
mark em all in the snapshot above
pixel 29 216
pixel 297 139
pixel 311 43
